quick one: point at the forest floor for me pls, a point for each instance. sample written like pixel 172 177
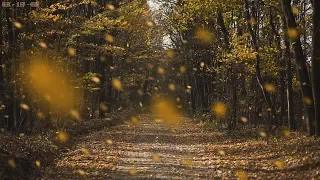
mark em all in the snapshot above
pixel 152 151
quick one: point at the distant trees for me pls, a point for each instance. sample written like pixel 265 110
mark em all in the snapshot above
pixel 250 50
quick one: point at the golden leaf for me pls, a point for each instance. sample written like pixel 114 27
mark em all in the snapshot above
pixel 160 70
pixel 62 137
pixel 182 69
pixel 188 163
pixel 204 35
pixel 38 163
pixel 244 119
pixel 270 87
pixel 172 87
pixel 17 24
pixel 242 175
pixel 11 163
pixel 109 141
pixel 167 111
pixel 156 157
pixel 72 51
pixel 109 38
pixel 219 109
pixel 95 79
pixel 132 171
pixel 43 45
pixel 116 84
pixel 75 115
pixel 280 164
pixel 110 7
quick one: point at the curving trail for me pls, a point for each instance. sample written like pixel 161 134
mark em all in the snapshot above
pixel 152 151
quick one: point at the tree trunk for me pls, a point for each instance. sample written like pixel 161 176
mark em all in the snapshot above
pixel 302 70
pixel 316 64
pixel 257 64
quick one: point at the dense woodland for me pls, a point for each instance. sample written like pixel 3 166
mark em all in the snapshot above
pixel 228 65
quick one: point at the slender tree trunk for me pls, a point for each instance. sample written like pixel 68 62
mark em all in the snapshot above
pixel 316 64
pixel 2 86
pixel 302 70
pixel 257 64
pixel 287 58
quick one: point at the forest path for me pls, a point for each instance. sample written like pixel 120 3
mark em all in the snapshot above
pixel 184 153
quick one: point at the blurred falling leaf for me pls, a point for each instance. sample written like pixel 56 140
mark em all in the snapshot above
pixel 307 100
pixel 219 109
pixel 150 23
pixel 156 157
pixel 295 10
pixel 160 70
pixel 21 134
pixel 11 163
pixel 135 120
pixel 158 120
pixel 52 84
pixel 280 164
pixel 262 134
pixel 85 151
pixel 109 38
pixel 62 137
pixel 167 111
pixel 188 163
pixel 40 115
pixel 95 79
pixel 81 172
pixel 72 51
pixel 172 87
pixel 242 175
pixel 110 7
pixel 244 119
pixel 132 171
pixel 109 141
pixel 103 107
pixel 270 87
pixel 221 152
pixel 182 69
pixel 170 53
pixel 38 163
pixel 75 115
pixel 293 33
pixel 43 45
pixel 286 133
pixel 140 92
pixel 204 35
pixel 116 84
pixel 202 64
pixel 17 24
pixel 184 41
pixel 24 107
